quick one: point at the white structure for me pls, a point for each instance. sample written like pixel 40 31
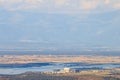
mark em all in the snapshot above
pixel 65 70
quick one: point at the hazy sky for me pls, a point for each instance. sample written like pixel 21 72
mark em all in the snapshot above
pixel 58 24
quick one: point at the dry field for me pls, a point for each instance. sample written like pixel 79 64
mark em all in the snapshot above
pixel 12 59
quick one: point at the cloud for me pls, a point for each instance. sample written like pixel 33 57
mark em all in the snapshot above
pixel 107 1
pixel 30 4
pixel 117 6
pixel 27 41
pixel 99 32
pixel 23 5
pixel 61 6
pixel 60 3
pixel 1 1
pixel 33 41
pixel 89 4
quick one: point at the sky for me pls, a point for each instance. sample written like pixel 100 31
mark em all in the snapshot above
pixel 59 25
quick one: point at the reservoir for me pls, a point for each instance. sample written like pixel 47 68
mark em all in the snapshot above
pixel 50 67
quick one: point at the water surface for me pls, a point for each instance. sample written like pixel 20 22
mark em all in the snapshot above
pixel 49 67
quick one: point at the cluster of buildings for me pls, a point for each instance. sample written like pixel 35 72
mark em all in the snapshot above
pixel 69 70
pixel 66 70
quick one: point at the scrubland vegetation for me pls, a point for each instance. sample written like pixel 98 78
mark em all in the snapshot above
pixel 62 76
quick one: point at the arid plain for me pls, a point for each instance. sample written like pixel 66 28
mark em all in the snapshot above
pixel 13 59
